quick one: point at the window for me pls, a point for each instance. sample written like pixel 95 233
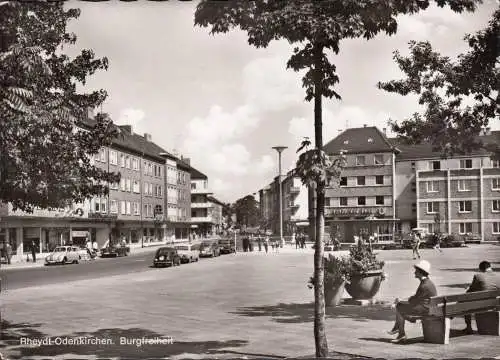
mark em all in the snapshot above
pixel 379 159
pixel 379 200
pixel 435 165
pixel 432 186
pixel 145 167
pixel 150 189
pixel 127 162
pixel 495 163
pixel 103 205
pixel 413 165
pixel 361 200
pixel 135 164
pixel 466 164
pixel 150 169
pixel 343 201
pixel 465 206
pixel 463 185
pixel 360 160
pixel 136 208
pixel 122 184
pixel 158 210
pixel 495 184
pixel 464 228
pixel 128 207
pixel 97 205
pixel 114 186
pixel 113 157
pixel 379 180
pixel 127 185
pixel 496 228
pixel 123 208
pixel 343 181
pixel 122 160
pixel 360 180
pixel 102 155
pixel 495 205
pixel 113 207
pixel 136 187
pixel 430 228
pixel 432 207
pixel 146 189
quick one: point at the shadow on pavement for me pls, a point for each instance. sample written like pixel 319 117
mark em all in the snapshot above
pixel 300 313
pixel 115 343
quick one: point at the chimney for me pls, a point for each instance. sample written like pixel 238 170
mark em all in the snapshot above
pixel 385 131
pixel 364 125
pixel 186 160
pixel 339 130
pixel 147 136
pixel 126 128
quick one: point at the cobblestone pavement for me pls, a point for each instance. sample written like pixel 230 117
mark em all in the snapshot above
pixel 248 305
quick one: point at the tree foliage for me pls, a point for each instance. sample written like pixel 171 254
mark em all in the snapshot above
pixel 461 96
pixel 313 27
pixel 247 211
pixel 44 159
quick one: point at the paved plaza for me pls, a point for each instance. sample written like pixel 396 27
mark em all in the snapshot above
pixel 245 305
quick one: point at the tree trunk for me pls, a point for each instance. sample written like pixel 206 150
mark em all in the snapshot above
pixel 319 289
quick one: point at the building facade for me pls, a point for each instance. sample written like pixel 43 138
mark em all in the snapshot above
pixel 201 208
pixel 387 188
pixel 150 205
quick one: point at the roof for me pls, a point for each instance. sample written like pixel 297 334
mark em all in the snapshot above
pixel 424 151
pixel 197 175
pixel 359 140
pixel 214 200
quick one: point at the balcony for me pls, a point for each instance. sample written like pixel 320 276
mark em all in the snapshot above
pixel 201 219
pixel 200 205
pixel 200 191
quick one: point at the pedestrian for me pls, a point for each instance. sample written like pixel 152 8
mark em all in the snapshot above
pixel 33 250
pixel 8 253
pixel 417 304
pixel 297 240
pixel 89 244
pixel 416 245
pixel 95 247
pixel 259 242
pixel 303 241
pixel 437 245
pixel 266 243
pixel 484 280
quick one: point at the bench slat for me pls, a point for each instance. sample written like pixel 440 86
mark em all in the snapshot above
pixel 465 307
pixel 472 296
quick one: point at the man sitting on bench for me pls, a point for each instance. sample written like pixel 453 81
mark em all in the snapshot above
pixel 417 304
pixel 485 280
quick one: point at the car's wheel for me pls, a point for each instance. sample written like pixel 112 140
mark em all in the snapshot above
pixel 65 261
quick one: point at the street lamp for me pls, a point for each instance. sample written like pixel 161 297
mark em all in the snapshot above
pixel 280 149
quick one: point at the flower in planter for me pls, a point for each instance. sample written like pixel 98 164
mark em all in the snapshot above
pixel 335 270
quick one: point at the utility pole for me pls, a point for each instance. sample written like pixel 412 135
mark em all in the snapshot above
pixel 280 149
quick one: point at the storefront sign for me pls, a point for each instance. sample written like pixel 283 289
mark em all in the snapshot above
pixel 355 211
pixel 76 233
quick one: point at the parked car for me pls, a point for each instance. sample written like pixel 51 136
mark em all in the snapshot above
pixel 188 252
pixel 63 255
pixel 209 249
pixel 166 256
pixel 226 246
pixel 115 250
pixel 86 254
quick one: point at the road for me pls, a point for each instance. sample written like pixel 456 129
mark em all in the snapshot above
pixel 248 304
pixel 26 277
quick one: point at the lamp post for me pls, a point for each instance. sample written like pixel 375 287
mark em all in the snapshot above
pixel 280 149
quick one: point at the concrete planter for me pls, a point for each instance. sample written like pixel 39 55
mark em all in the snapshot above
pixel 366 286
pixel 333 292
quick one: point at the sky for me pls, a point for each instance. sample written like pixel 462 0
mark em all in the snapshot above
pixel 224 104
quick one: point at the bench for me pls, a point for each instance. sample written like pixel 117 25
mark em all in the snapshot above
pixel 484 304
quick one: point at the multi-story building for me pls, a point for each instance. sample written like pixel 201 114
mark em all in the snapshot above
pixel 386 188
pixel 151 203
pixel 459 195
pixel 215 212
pixel 364 199
pixel 294 204
pixel 201 219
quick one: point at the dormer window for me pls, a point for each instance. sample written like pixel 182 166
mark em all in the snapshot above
pixel 360 160
pixel 370 140
pixel 346 142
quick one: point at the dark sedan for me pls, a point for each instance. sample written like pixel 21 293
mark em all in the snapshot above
pixel 227 246
pixel 166 256
pixel 115 251
pixel 209 249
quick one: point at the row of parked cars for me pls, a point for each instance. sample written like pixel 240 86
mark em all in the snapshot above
pixel 186 253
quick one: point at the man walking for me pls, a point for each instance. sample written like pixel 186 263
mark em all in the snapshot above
pixel 33 251
pixel 438 238
pixel 8 253
pixel 416 245
pixel 484 280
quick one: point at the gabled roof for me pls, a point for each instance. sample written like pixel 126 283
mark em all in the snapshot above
pixel 197 175
pixel 358 141
pixel 214 200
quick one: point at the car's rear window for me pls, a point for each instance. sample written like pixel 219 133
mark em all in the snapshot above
pixel 182 247
pixel 165 251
